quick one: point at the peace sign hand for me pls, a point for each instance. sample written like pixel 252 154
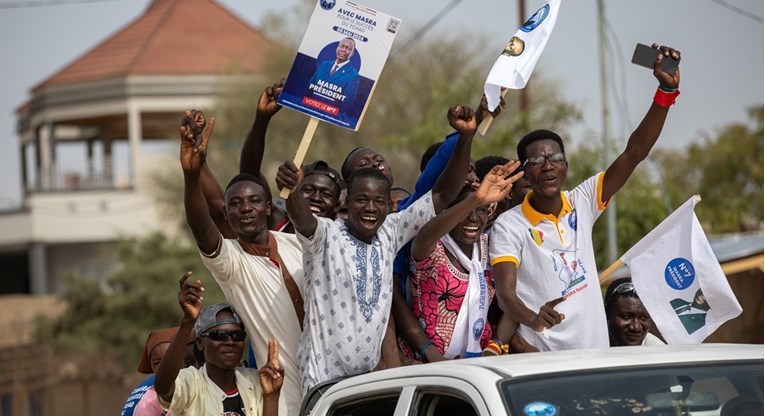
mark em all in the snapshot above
pixel 271 374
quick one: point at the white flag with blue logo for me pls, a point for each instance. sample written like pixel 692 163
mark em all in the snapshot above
pixel 514 66
pixel 679 279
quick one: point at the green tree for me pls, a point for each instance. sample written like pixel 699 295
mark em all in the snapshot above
pixel 726 169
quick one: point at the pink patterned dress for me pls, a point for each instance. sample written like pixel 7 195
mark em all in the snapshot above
pixel 438 289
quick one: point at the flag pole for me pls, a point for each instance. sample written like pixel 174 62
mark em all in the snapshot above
pixel 486 122
pixel 605 277
pixel 302 149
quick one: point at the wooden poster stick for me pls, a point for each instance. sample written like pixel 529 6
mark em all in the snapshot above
pixel 606 275
pixel 302 149
pixel 486 122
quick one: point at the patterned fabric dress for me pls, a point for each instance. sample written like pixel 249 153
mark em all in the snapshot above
pixel 438 289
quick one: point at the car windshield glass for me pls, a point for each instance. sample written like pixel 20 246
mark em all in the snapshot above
pixel 710 389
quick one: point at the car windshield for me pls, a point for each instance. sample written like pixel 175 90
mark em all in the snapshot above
pixel 713 389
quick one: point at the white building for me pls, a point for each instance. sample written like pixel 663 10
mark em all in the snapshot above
pixel 109 107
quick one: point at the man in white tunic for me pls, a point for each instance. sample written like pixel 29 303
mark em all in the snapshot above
pixel 348 264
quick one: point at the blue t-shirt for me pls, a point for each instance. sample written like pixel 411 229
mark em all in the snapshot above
pixel 424 184
pixel 136 395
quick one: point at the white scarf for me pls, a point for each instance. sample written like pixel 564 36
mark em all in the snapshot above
pixel 471 319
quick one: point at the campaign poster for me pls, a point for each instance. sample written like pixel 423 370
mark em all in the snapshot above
pixel 339 61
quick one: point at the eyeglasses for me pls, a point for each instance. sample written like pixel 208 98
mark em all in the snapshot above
pixel 220 335
pixel 556 159
pixel 621 289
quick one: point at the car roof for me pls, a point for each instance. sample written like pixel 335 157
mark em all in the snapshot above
pixel 489 369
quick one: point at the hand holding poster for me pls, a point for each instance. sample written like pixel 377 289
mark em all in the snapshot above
pixel 339 61
pixel 679 280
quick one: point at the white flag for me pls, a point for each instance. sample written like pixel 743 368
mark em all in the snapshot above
pixel 514 67
pixel 679 280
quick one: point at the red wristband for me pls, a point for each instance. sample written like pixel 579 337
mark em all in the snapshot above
pixel 665 99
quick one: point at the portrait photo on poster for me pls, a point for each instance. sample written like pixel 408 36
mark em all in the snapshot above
pixel 330 84
pixel 338 62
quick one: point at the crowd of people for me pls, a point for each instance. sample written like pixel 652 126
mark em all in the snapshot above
pixel 483 258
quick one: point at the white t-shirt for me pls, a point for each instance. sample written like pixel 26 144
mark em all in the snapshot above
pixel 651 339
pixel 348 293
pixel 554 257
pixel 254 286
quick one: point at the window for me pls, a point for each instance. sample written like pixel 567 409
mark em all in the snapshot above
pixel 379 405
pixel 440 404
pixel 6 405
pixel 36 403
pixel 687 388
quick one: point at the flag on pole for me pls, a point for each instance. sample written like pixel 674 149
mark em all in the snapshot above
pixel 679 280
pixel 514 66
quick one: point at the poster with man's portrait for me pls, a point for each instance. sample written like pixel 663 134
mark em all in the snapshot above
pixel 339 61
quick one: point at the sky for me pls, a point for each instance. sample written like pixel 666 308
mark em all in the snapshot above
pixel 722 50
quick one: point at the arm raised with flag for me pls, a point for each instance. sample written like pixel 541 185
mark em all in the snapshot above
pixel 536 262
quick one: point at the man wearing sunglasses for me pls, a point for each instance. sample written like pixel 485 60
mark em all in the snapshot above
pixel 628 320
pixel 220 386
pixel 541 251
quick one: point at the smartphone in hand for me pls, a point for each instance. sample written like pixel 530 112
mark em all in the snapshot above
pixel 646 56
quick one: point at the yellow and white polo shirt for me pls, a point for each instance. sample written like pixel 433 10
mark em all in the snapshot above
pixel 554 257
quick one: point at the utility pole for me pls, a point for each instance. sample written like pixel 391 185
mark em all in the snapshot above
pixel 523 97
pixel 606 131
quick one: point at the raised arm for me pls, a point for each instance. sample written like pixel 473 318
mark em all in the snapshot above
pixel 494 187
pixel 190 299
pixel 193 156
pixel 253 149
pixel 297 207
pixel 450 181
pixel 271 380
pixel 195 122
pixel 644 137
pixel 438 162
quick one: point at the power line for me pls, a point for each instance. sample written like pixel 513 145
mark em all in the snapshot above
pixel 43 3
pixel 429 25
pixel 738 10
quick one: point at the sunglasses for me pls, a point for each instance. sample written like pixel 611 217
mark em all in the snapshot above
pixel 556 159
pixel 621 289
pixel 220 335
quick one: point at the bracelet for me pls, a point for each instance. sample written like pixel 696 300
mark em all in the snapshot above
pixel 496 347
pixel 490 351
pixel 666 88
pixel 665 99
pixel 424 347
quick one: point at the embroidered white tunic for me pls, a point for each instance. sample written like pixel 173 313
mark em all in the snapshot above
pixel 348 293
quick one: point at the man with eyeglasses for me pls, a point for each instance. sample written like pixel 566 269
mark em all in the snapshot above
pixel 541 251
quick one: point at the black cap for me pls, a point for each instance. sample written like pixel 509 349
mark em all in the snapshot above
pixel 323 168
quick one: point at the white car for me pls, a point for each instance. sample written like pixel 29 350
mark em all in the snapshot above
pixel 707 379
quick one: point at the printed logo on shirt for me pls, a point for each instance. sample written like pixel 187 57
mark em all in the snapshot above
pixel 570 270
pixel 537 235
pixel 572 219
